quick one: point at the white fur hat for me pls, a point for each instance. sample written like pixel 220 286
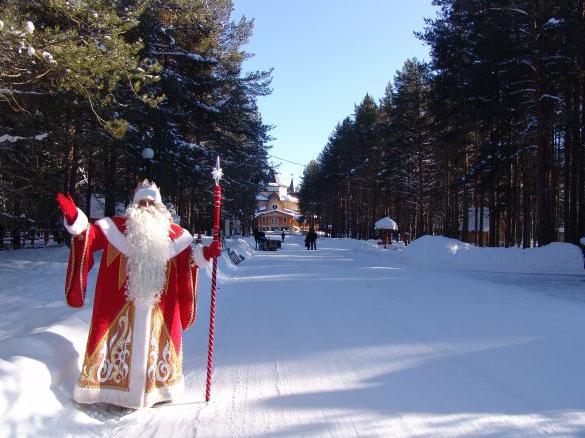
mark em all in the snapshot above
pixel 147 190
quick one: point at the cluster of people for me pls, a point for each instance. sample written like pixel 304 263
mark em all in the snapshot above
pixel 311 239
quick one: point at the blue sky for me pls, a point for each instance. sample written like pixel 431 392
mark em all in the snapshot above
pixel 326 55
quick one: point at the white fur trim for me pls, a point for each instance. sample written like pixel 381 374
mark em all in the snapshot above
pixel 199 258
pixel 80 224
pixel 120 398
pixel 113 234
pixel 180 243
pixel 151 193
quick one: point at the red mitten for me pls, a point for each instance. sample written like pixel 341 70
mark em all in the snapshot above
pixel 67 206
pixel 213 250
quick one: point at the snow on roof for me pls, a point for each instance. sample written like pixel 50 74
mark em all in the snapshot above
pixel 386 223
pixel 261 197
pixel 289 198
pixel 288 213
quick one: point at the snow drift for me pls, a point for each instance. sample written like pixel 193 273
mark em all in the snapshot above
pixel 444 253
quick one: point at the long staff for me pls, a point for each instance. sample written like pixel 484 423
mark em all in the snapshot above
pixel 217 174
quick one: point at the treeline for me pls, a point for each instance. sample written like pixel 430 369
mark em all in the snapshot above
pixel 86 86
pixel 494 121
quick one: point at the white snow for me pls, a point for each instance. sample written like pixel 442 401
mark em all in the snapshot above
pixel 289 198
pixel 518 11
pixel 550 96
pixel 349 340
pixel 531 65
pixel 10 138
pixel 386 223
pixel 15 138
pixel 207 107
pixel 553 22
pixel 444 253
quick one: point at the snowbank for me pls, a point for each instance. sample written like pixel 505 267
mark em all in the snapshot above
pixel 443 253
pixel 243 246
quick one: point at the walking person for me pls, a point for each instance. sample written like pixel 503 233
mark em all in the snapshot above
pixel 282 235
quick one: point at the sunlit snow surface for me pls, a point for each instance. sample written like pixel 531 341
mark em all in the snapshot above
pixel 348 340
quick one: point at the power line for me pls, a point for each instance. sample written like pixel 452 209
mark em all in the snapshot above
pixel 288 161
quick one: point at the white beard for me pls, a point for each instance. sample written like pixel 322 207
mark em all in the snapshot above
pixel 147 230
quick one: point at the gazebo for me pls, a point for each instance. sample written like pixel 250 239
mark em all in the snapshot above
pixel 386 224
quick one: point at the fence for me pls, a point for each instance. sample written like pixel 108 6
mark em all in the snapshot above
pixel 31 239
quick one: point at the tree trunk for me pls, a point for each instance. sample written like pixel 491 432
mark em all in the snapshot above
pixel 544 154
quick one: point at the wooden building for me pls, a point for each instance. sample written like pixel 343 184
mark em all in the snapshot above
pixel 277 206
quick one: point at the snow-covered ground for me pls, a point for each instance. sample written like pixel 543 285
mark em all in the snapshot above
pixel 348 340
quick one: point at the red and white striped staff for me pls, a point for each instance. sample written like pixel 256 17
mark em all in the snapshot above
pixel 217 174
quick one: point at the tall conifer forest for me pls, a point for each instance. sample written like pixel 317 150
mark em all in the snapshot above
pixel 86 86
pixel 493 122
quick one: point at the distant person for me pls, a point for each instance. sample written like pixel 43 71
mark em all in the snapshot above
pixel 259 238
pixel 282 235
pixel 312 236
pixel 58 237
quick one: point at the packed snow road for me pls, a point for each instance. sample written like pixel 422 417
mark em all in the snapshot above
pixel 347 340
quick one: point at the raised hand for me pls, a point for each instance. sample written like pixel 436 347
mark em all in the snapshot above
pixel 213 250
pixel 67 206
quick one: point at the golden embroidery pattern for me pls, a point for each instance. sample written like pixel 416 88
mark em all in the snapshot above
pixel 164 366
pixel 85 237
pixel 72 269
pixel 194 286
pixel 109 366
pixel 170 264
pixel 114 254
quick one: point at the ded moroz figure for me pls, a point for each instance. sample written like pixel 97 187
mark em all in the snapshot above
pixel 145 296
